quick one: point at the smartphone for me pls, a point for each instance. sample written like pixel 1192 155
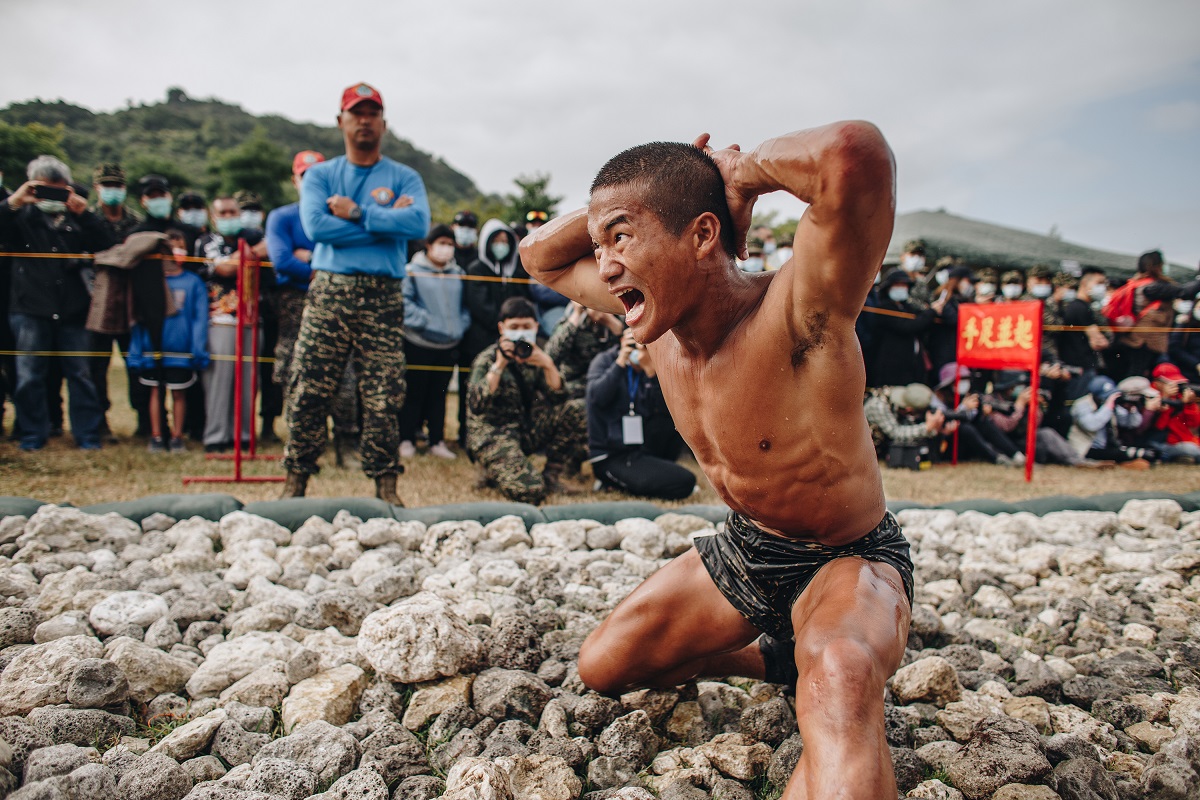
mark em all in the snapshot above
pixel 42 192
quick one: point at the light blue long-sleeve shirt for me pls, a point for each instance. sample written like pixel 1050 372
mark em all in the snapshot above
pixel 377 243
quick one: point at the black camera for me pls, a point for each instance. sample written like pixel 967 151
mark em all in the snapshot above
pixel 43 192
pixel 1132 399
pixel 958 416
pixel 522 349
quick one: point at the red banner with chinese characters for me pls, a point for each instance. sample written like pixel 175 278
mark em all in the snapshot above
pixel 1004 336
pixel 1000 336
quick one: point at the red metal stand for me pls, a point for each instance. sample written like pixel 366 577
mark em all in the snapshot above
pixel 249 269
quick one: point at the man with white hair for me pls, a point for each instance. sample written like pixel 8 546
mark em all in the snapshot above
pixel 49 301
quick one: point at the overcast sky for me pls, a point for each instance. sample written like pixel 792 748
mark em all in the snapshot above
pixel 1081 114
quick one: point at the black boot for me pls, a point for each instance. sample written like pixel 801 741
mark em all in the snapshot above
pixel 296 485
pixel 385 489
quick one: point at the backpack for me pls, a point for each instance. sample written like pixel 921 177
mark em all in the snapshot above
pixel 1118 309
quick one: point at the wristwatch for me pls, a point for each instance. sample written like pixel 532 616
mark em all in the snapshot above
pixel 356 214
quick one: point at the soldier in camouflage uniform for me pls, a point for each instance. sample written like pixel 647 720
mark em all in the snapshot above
pixel 986 285
pixel 520 407
pixel 579 337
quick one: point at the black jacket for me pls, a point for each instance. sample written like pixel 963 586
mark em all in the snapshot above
pixel 608 401
pixel 51 287
pixel 898 355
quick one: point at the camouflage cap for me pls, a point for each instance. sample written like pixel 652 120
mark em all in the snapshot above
pixel 754 245
pixel 247 199
pixel 946 262
pixel 915 246
pixel 1012 276
pixel 109 172
pixel 985 275
pixel 1040 271
pixel 1063 279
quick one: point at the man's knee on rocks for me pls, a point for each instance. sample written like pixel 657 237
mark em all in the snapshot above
pixel 844 667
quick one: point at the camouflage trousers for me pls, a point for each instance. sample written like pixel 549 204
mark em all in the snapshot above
pixel 356 319
pixel 503 452
pixel 345 402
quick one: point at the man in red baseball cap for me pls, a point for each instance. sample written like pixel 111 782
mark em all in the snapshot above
pixel 360 210
pixel 1174 429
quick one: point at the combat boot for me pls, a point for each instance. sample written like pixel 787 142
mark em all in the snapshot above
pixel 385 489
pixel 552 478
pixel 296 485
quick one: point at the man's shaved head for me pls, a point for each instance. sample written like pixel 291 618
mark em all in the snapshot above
pixel 676 182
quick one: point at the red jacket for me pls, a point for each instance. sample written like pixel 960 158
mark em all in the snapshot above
pixel 1180 424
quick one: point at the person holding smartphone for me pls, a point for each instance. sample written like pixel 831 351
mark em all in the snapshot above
pixel 49 300
pixel 518 406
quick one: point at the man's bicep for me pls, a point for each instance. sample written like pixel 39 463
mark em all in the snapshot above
pixel 835 256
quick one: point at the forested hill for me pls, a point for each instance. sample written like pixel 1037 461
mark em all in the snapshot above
pixel 211 145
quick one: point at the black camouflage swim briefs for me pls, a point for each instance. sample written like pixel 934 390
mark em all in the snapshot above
pixel 762 575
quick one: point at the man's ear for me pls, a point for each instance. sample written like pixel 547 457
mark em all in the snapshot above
pixel 339 120
pixel 705 231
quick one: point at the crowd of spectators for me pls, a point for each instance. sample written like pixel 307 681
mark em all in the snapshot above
pixel 1118 367
pixel 368 312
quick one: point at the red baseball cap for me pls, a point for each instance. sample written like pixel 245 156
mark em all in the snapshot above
pixel 358 93
pixel 1169 372
pixel 305 159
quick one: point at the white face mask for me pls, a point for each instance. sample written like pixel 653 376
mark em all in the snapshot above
pixel 521 335
pixel 986 289
pixel 441 253
pixel 964 386
pixel 252 219
pixel 912 263
pixel 1098 291
pixel 500 249
pixel 635 357
pixel 753 264
pixel 196 217
pixel 52 206
pixel 941 276
pixel 1184 307
pixel 465 237
pixel 898 294
pixel 769 248
pixel 1041 290
pixel 1011 290
pixel 1069 295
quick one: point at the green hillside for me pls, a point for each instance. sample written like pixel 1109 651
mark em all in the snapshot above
pixel 211 145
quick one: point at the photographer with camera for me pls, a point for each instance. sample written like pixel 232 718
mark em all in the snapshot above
pixel 49 300
pixel 580 336
pixel 517 405
pixel 1101 417
pixel 632 439
pixel 1172 429
pixel 901 415
pixel 978 437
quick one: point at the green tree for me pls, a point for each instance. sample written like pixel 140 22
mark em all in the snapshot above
pixel 533 196
pixel 259 165
pixel 20 144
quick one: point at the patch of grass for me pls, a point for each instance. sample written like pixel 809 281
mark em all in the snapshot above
pixel 762 788
pixel 126 471
pixel 159 726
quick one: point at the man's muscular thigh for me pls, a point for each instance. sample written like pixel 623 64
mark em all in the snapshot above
pixel 676 616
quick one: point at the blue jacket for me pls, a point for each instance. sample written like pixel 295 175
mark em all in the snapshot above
pixel 377 243
pixel 285 234
pixel 185 333
pixel 435 311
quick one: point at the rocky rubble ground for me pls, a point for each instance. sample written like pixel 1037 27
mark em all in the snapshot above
pixel 1049 657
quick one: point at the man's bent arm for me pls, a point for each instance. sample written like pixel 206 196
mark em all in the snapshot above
pixel 846 173
pixel 559 255
pixel 319 222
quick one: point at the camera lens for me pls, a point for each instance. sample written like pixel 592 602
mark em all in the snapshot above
pixel 522 349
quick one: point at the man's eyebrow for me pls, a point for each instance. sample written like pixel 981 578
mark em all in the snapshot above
pixel 614 222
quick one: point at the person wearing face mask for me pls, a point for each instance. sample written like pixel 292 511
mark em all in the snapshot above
pixel 219 248
pixel 1080 349
pixel 755 261
pixel 1012 286
pixel 466 237
pixel 956 287
pixel 985 286
pixel 49 302
pixel 435 319
pixel 495 257
pixel 1183 347
pixel 108 182
pixel 580 336
pixel 270 394
pixel 632 441
pixel 898 356
pixel 517 406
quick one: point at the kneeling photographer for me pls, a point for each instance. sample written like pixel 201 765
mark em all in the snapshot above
pixel 978 437
pixel 517 406
pixel 1107 416
pixel 632 439
pixel 1172 428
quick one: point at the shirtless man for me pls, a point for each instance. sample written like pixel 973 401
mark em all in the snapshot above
pixel 762 374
